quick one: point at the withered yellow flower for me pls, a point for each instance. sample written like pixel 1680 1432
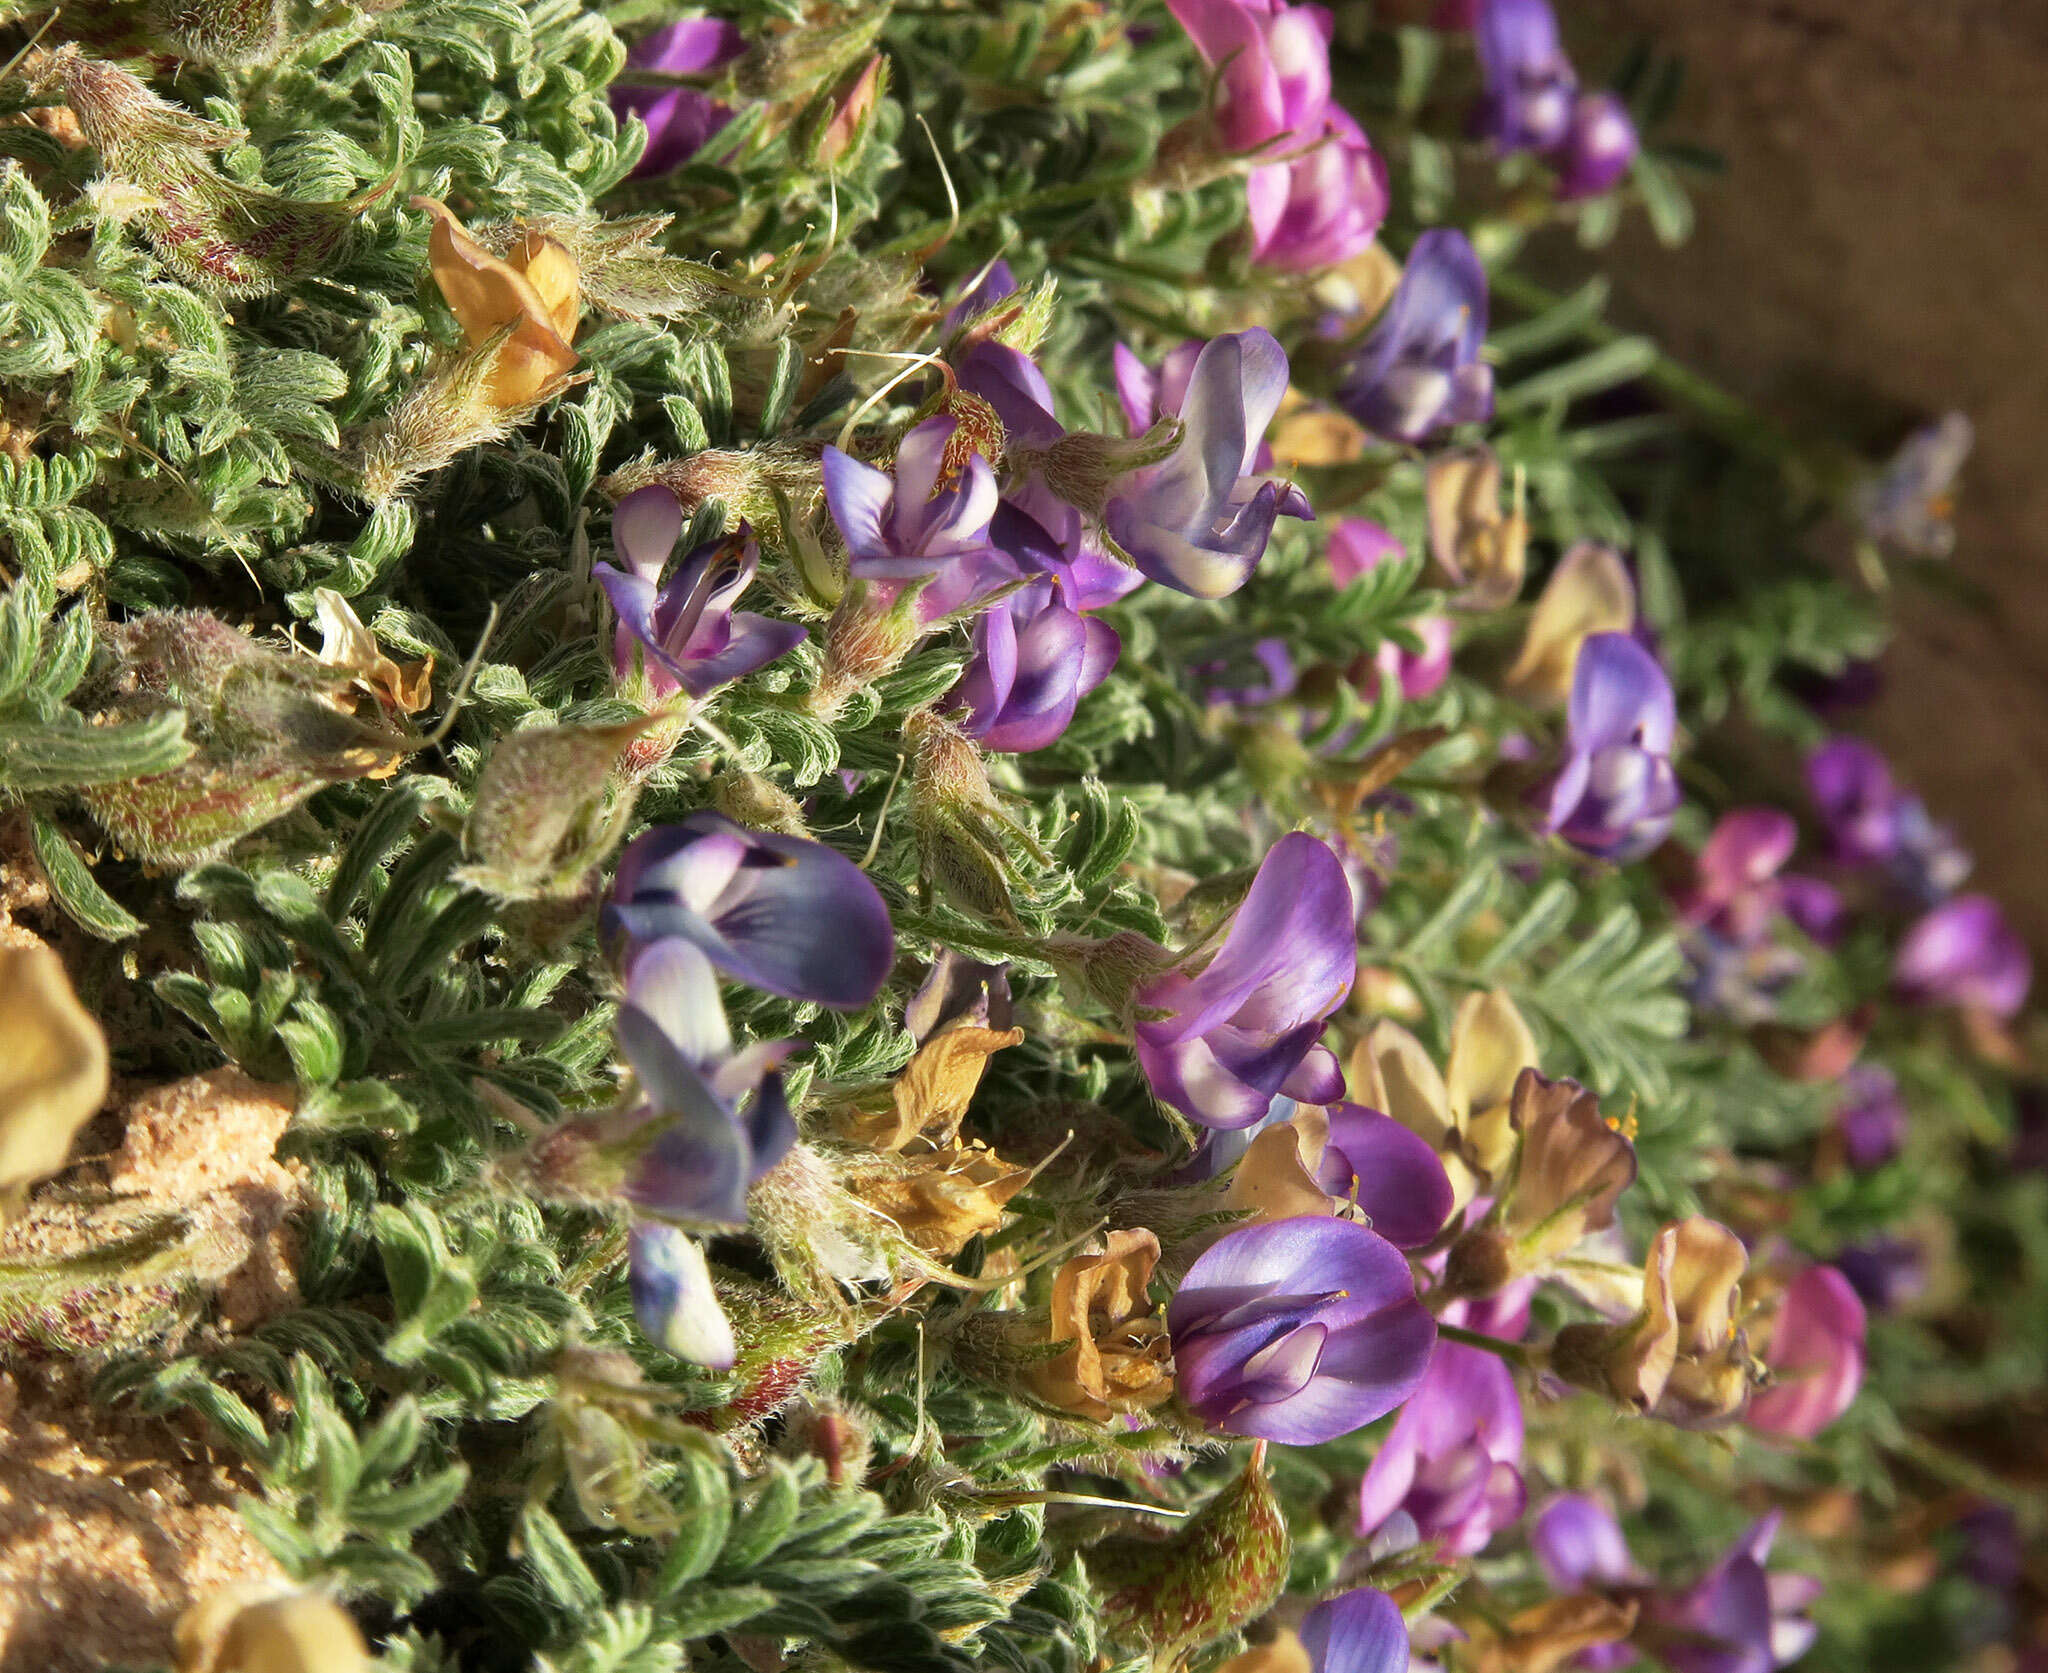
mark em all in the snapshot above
pixel 1118 1356
pixel 1481 549
pixel 244 1629
pixel 528 303
pixel 53 1069
pixel 1282 1653
pixel 1275 1178
pixel 399 688
pixel 1546 1636
pixel 938 1199
pixel 929 1098
pixel 1589 592
pixel 1462 1112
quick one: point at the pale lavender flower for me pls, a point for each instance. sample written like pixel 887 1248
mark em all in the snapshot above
pixel 931 512
pixel 1222 1044
pixel 1420 369
pixel 1618 791
pixel 684 632
pixel 1199 520
pixel 1298 1331
pixel 673 1296
pixel 781 913
pixel 1907 506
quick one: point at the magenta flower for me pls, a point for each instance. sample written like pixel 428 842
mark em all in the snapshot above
pixel 1739 886
pixel 1274 61
pixel 932 512
pixel 1035 658
pixel 1617 792
pixel 1358 547
pixel 1359 1632
pixel 1322 208
pixel 1964 953
pixel 1420 369
pixel 1298 1331
pixel 1220 1046
pixel 1452 1460
pixel 723 1119
pixel 780 913
pixel 685 632
pixel 1871 1117
pixel 1597 147
pixel 1530 83
pixel 1816 1357
pixel 1390 1171
pixel 681 120
pixel 1199 520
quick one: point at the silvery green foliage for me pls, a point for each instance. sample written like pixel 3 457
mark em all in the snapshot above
pixel 209 305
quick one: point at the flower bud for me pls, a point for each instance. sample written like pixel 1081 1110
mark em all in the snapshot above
pixel 850 117
pixel 547 809
pixel 1220 1569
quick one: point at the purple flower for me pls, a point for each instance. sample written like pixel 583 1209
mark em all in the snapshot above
pixel 1322 208
pixel 1389 1171
pixel 1530 83
pixel 1871 1117
pixel 1734 1619
pixel 686 629
pixel 1737 1618
pixel 673 1297
pixel 1597 148
pixel 1872 822
pixel 1298 1331
pixel 680 120
pixel 781 913
pixel 706 1148
pixel 1617 792
pixel 1885 1272
pixel 1199 520
pixel 1451 1460
pixel 933 512
pixel 1964 953
pixel 1906 507
pixel 1581 1548
pixel 1274 61
pixel 1359 1632
pixel 1420 369
pixel 1035 658
pixel 1222 1045
pixel 1816 1355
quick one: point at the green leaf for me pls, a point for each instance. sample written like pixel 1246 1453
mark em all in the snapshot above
pixel 73 886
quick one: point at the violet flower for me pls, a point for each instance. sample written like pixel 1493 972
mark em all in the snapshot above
pixel 1872 822
pixel 680 120
pixel 719 1117
pixel 1199 519
pixel 1735 1619
pixel 1274 61
pixel 1964 953
pixel 1298 1331
pixel 1420 369
pixel 932 511
pixel 1035 658
pixel 1597 147
pixel 1221 1045
pixel 673 1296
pixel 1322 208
pixel 685 631
pixel 1389 1171
pixel 1617 792
pixel 1360 1631
pixel 1816 1355
pixel 1530 83
pixel 781 913
pixel 1885 1272
pixel 1451 1461
pixel 1871 1117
